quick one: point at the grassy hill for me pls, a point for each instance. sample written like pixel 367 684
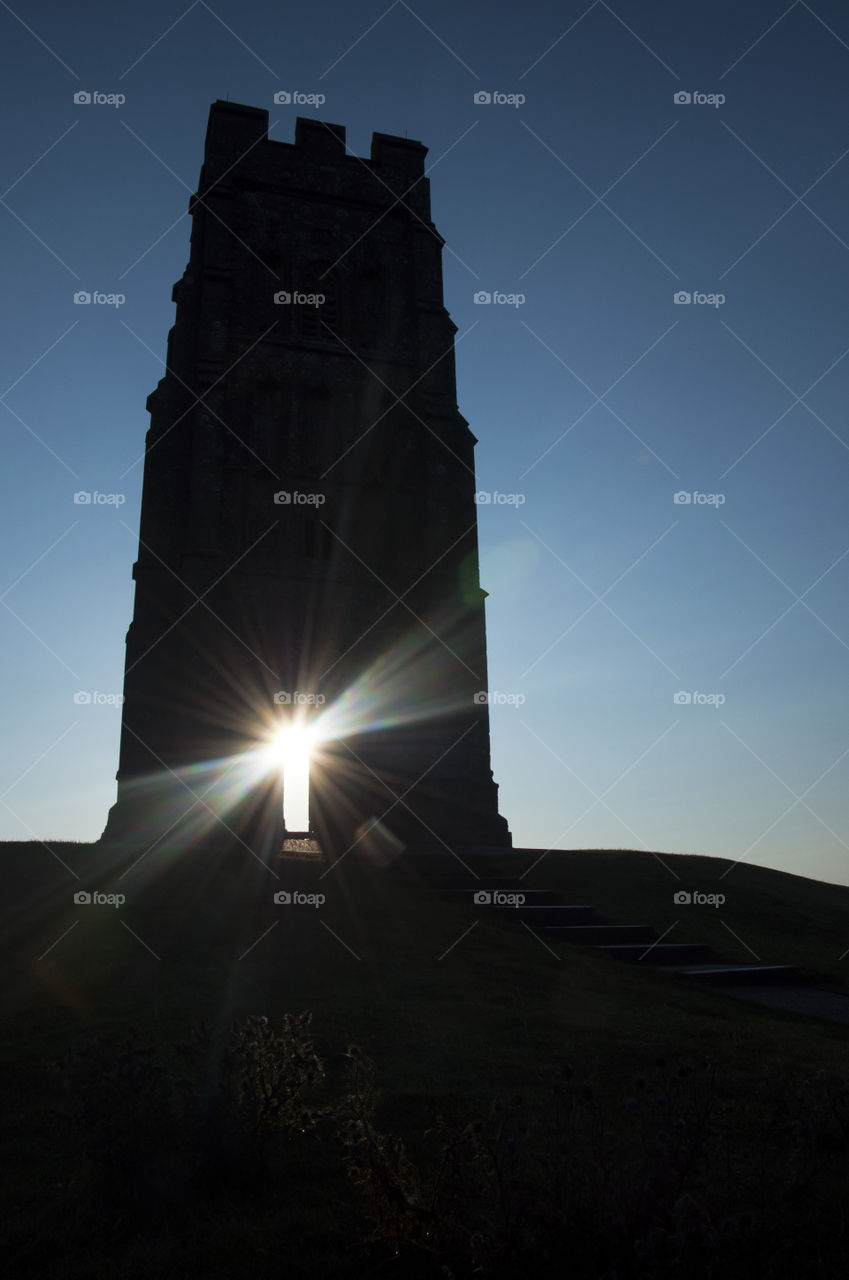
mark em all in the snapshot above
pixel 456 1009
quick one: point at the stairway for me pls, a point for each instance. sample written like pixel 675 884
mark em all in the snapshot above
pixel 631 943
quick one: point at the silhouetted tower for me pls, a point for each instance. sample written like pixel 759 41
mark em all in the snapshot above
pixel 308 516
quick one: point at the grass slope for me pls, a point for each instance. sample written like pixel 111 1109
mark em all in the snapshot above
pixel 453 1015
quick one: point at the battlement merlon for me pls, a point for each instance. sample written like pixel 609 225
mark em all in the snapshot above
pixel 403 154
pixel 237 135
pixel 232 130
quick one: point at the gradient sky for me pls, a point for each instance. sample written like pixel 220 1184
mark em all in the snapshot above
pixel 598 399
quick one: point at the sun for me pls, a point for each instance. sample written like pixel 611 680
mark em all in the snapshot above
pixel 291 746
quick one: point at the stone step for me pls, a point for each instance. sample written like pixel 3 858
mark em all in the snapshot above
pixel 664 953
pixel 597 934
pixel 544 915
pixel 733 973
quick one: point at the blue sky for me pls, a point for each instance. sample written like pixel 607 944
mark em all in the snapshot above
pixel 597 399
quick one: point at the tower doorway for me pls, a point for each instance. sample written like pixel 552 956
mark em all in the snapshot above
pixel 290 752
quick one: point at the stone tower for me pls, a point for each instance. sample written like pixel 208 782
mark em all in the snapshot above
pixel 308 525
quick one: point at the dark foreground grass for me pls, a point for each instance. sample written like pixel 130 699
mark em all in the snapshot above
pixel 460 1014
